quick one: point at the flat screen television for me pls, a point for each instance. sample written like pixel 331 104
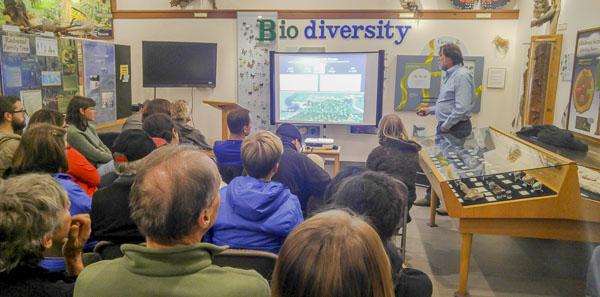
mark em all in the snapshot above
pixel 343 88
pixel 179 64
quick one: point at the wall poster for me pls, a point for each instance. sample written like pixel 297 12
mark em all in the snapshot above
pixel 418 81
pixel 99 78
pixel 584 104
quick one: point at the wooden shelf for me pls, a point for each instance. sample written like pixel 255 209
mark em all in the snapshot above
pixel 507 14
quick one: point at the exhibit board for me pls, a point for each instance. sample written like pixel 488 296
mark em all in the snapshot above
pixel 21 74
pixel 418 81
pixel 99 78
pixel 584 106
pixel 71 60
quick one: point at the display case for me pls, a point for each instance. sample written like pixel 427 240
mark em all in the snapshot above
pixel 497 183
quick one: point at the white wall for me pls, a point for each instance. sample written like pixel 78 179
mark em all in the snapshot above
pixel 221 31
pixel 477 35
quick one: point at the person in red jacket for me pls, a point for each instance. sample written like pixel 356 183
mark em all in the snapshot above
pixel 83 172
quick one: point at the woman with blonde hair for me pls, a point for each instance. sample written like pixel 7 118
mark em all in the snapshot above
pixel 334 253
pixel 187 134
pixel 396 154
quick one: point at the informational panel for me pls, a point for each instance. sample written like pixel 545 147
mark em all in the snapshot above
pixel 21 74
pixel 123 80
pixel 418 81
pixel 584 106
pixel 99 78
pixel 253 68
pixel 69 59
pixel 50 70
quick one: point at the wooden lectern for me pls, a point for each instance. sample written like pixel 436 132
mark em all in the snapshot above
pixel 225 107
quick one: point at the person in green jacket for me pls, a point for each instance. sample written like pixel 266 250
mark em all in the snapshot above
pixel 174 201
pixel 81 135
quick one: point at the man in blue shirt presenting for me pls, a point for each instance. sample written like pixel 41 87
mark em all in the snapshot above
pixel 455 102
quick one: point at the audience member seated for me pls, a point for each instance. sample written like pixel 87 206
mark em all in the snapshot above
pixel 381 199
pixel 161 128
pixel 83 172
pixel 396 154
pixel 300 174
pixel 155 106
pixel 42 149
pixel 338 179
pixel 174 201
pixel 134 121
pixel 332 254
pixel 12 124
pixel 111 218
pixel 187 134
pixel 83 136
pixel 228 152
pixel 256 213
pixel 34 217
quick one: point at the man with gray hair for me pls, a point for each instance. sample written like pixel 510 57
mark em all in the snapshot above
pixel 174 201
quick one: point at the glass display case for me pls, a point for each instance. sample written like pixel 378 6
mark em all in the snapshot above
pixel 488 166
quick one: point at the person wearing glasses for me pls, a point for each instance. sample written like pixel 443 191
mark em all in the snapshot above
pixel 12 124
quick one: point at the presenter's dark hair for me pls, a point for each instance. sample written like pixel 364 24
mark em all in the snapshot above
pixel 453 52
pixel 237 119
pixel 74 117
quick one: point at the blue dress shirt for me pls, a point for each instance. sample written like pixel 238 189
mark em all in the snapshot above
pixel 455 101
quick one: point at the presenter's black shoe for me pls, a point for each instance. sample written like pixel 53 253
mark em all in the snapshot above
pixel 422 202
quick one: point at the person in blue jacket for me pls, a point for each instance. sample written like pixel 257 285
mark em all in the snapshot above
pixel 257 213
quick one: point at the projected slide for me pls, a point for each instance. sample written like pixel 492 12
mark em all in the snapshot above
pixel 322 88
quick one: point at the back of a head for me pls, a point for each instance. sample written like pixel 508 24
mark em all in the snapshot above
pixel 132 145
pixel 159 125
pixel 332 254
pixel 47 116
pixel 7 104
pixel 42 149
pixel 260 153
pixel 157 106
pixel 376 196
pixel 74 116
pixel 180 111
pixel 30 207
pixel 288 133
pixel 174 184
pixel 391 126
pixel 237 119
pixel 338 179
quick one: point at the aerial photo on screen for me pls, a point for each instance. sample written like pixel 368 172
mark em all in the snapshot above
pixel 322 89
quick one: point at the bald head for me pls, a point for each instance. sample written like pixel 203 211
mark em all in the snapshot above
pixel 173 188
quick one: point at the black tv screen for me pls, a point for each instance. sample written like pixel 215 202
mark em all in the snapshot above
pixel 179 64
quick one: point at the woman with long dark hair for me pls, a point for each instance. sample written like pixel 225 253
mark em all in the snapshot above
pixel 81 135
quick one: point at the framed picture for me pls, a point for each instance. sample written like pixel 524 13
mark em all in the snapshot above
pixel 584 100
pixel 496 78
